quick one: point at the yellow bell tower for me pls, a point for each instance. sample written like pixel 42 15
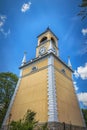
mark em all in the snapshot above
pixel 47 41
pixel 45 86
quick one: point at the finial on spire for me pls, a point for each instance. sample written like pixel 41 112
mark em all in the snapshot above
pixel 48 28
pixel 69 63
pixel 24 59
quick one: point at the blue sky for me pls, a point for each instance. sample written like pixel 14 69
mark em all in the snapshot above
pixel 21 21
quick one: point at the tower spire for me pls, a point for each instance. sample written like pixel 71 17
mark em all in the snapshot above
pixel 24 59
pixel 69 62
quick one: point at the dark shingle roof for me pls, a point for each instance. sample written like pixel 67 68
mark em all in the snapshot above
pixel 48 29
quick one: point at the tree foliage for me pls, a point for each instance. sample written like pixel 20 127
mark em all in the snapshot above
pixel 84 111
pixel 83 12
pixel 27 123
pixel 45 126
pixel 8 82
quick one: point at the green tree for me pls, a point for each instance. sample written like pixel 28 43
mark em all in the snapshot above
pixel 45 126
pixel 27 123
pixel 84 111
pixel 83 12
pixel 8 82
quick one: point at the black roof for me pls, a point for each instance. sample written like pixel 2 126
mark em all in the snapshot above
pixel 48 29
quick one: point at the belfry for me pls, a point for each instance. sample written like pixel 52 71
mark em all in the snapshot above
pixel 45 86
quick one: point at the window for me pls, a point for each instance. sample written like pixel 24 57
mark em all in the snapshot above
pixel 43 39
pixel 63 71
pixel 34 68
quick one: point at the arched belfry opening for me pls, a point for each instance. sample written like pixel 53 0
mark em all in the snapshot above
pixel 44 39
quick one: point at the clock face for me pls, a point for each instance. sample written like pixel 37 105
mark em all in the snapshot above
pixel 42 50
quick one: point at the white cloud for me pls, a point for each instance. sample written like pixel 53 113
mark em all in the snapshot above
pixel 81 72
pixel 84 31
pixel 75 86
pixel 2 24
pixel 3 17
pixel 76 74
pixel 2 20
pixel 5 33
pixel 26 6
pixel 82 97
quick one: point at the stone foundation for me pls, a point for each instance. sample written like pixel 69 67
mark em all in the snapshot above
pixel 61 126
pixel 54 126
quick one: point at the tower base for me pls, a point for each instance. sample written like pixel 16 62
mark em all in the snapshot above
pixel 61 126
pixel 53 126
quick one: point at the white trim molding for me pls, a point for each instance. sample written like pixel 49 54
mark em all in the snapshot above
pixel 12 100
pixel 52 100
pixel 50 47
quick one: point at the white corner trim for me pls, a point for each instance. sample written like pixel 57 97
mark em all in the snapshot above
pixel 50 49
pixel 80 111
pixel 78 104
pixel 52 101
pixel 58 53
pixel 12 100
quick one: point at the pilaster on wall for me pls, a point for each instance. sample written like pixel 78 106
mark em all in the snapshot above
pixel 12 100
pixel 52 101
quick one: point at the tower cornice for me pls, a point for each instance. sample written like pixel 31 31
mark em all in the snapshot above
pixel 43 56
